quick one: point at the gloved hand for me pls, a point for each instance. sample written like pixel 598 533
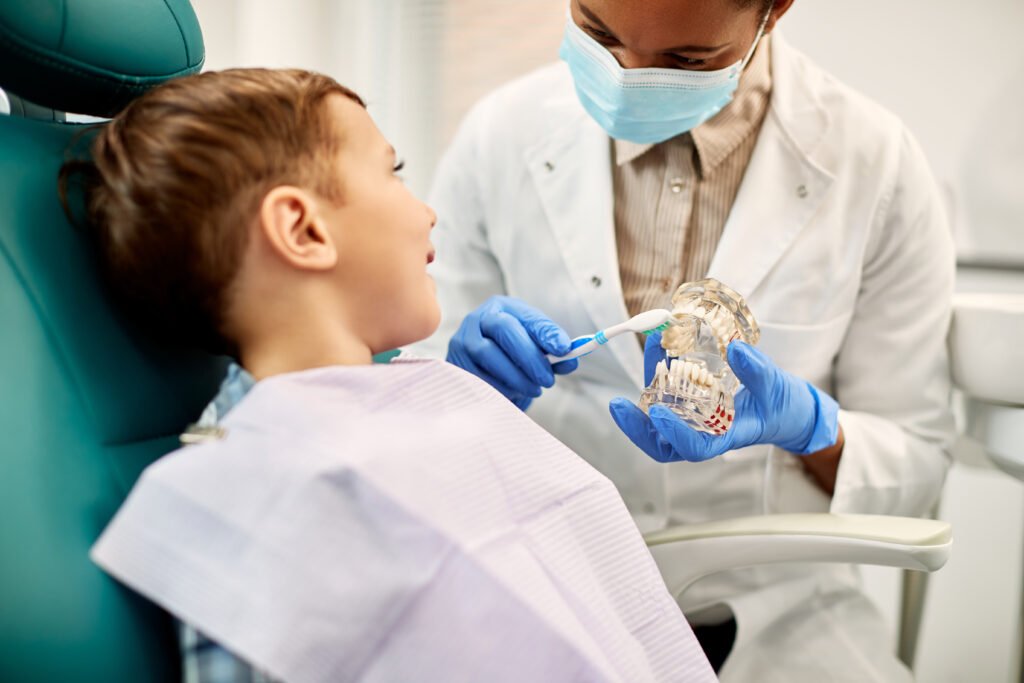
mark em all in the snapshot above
pixel 504 343
pixel 773 407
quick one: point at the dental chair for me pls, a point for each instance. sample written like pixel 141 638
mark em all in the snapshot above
pixel 87 402
pixel 988 367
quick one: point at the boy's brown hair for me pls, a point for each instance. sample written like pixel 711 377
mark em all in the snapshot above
pixel 176 180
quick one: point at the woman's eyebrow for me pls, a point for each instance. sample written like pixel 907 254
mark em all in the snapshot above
pixel 695 48
pixel 702 49
pixel 589 14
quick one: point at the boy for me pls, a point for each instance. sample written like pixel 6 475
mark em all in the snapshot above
pixel 354 522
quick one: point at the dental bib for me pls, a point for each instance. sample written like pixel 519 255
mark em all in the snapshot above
pixel 695 380
pixel 398 523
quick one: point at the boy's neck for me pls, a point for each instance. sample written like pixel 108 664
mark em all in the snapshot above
pixel 301 347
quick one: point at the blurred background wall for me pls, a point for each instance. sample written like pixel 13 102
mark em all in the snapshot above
pixel 954 71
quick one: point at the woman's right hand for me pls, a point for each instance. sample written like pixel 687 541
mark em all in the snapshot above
pixel 505 342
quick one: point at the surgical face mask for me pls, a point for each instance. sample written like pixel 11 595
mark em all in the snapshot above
pixel 646 105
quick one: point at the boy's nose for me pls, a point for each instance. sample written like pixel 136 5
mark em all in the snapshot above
pixel 433 216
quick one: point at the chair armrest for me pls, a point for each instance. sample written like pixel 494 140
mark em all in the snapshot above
pixel 687 553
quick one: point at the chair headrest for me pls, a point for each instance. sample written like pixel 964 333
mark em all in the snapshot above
pixel 95 56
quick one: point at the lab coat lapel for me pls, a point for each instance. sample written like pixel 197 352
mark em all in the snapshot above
pixel 571 171
pixel 784 184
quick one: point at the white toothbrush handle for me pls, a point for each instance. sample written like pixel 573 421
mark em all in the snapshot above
pixel 642 322
pixel 581 346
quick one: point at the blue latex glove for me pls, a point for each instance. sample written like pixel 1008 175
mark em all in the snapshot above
pixel 773 407
pixel 504 342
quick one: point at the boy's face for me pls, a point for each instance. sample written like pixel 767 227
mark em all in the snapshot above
pixel 383 237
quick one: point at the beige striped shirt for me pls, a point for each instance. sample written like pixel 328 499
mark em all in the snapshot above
pixel 672 199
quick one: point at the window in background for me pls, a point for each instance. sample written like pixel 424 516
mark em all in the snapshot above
pixel 486 44
pixel 453 53
pixel 419 64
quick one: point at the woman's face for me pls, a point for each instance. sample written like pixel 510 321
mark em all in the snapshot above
pixel 697 35
pixel 382 233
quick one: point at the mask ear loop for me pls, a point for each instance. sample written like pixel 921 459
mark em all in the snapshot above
pixel 757 38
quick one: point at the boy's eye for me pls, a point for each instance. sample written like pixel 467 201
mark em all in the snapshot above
pixel 398 167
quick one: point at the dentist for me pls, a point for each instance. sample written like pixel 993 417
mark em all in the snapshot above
pixel 682 139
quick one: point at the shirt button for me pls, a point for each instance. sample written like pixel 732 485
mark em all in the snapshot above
pixel 666 284
pixel 676 185
pixel 596 281
pixel 801 191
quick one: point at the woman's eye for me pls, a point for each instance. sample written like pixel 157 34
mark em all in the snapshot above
pixel 599 34
pixel 688 61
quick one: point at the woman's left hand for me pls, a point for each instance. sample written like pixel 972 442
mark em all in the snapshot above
pixel 773 407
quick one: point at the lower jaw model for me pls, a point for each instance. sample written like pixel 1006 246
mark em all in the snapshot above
pixel 695 380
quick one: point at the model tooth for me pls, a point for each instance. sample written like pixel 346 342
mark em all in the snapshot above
pixel 722 322
pixel 704 377
pixel 673 374
pixel 674 341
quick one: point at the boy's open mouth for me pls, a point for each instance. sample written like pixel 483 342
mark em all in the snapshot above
pixel 430 257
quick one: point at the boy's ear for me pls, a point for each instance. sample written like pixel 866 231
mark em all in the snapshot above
pixel 295 229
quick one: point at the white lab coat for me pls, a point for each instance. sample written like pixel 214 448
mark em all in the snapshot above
pixel 838 241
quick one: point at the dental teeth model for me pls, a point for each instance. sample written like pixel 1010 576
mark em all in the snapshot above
pixel 695 380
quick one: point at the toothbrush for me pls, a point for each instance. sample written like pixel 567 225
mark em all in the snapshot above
pixel 646 322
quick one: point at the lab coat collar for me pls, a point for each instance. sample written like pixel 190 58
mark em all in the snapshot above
pixel 785 182
pixel 796 101
pixel 571 171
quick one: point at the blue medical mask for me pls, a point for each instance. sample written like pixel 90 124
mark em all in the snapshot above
pixel 646 105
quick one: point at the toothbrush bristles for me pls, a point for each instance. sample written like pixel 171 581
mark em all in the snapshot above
pixel 660 327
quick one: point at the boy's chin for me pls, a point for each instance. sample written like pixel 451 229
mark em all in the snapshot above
pixel 414 332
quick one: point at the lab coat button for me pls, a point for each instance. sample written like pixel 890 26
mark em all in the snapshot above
pixel 549 166
pixel 649 508
pixel 677 184
pixel 596 281
pixel 801 191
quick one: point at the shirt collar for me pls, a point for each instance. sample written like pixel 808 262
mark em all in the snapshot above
pixel 718 137
pixel 626 151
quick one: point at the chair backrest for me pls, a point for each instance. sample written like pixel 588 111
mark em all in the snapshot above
pixel 85 401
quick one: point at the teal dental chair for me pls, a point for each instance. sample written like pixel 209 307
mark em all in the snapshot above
pixel 85 401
